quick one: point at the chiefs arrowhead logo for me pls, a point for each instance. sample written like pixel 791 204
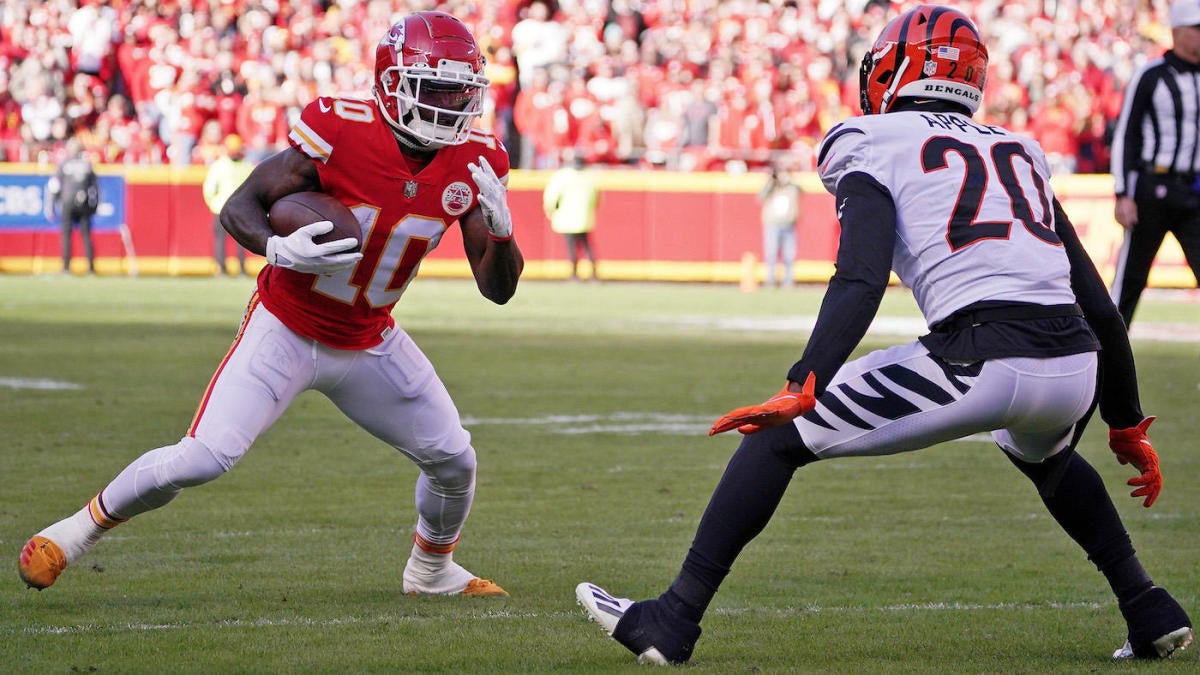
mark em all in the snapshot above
pixel 456 198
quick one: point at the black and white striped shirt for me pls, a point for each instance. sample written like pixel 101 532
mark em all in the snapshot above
pixel 1159 125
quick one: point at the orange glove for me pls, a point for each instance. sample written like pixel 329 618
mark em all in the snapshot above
pixel 780 408
pixel 1132 447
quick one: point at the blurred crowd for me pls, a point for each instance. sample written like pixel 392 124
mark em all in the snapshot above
pixel 680 84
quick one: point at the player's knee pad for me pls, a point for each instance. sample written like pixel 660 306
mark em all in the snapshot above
pixel 195 463
pixel 455 473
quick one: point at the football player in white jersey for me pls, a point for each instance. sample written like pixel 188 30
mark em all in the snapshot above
pixel 1021 325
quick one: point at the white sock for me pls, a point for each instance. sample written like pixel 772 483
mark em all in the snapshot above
pixel 435 573
pixel 78 533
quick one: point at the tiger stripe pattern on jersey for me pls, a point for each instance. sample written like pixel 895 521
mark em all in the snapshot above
pixel 892 392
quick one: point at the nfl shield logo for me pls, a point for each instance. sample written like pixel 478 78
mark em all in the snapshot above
pixel 410 189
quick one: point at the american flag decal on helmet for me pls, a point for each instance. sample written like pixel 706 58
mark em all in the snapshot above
pixel 949 53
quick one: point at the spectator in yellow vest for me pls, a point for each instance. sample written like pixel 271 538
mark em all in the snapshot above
pixel 225 174
pixel 570 201
pixel 780 199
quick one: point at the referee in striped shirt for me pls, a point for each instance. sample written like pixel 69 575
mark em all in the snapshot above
pixel 1156 159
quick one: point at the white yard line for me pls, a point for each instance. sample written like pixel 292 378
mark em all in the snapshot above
pixel 391 619
pixel 36 383
pixel 614 423
pixel 902 327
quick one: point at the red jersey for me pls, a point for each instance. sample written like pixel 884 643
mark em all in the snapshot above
pixel 403 217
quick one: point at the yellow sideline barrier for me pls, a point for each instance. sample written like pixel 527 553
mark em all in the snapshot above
pixel 1087 198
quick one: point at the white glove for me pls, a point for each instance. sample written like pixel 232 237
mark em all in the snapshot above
pixel 299 252
pixel 492 199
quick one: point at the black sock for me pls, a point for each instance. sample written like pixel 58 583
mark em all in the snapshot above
pixel 1076 497
pixel 741 506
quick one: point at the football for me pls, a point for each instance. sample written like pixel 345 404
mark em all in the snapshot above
pixel 296 210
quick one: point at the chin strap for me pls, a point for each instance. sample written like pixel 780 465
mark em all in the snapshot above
pixel 885 102
pixel 414 144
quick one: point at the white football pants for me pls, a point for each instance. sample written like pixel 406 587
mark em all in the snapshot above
pixel 904 398
pixel 390 390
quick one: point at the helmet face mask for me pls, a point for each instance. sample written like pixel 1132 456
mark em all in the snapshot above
pixel 929 52
pixel 429 80
pixel 451 96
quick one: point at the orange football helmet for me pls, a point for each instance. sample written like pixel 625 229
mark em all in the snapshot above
pixel 926 52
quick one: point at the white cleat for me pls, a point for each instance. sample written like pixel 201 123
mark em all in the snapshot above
pixel 606 610
pixel 600 606
pixel 652 657
pixel 1166 645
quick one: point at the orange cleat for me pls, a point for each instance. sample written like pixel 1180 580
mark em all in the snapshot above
pixel 41 562
pixel 484 588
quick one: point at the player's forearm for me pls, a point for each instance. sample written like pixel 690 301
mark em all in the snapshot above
pixel 864 264
pixel 846 314
pixel 244 215
pixel 1120 405
pixel 245 219
pixel 499 270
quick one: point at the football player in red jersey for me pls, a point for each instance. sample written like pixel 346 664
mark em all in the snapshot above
pixel 1020 324
pixel 408 164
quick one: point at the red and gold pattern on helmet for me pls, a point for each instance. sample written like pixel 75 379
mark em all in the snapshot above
pixel 926 52
pixel 429 79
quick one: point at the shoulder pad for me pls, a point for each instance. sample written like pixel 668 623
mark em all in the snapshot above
pixel 845 148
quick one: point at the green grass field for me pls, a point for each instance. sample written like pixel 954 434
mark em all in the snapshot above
pixel 588 406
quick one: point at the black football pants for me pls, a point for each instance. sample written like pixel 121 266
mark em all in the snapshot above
pixel 72 217
pixel 1156 217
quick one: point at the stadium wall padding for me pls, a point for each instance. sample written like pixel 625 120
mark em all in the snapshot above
pixel 652 225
